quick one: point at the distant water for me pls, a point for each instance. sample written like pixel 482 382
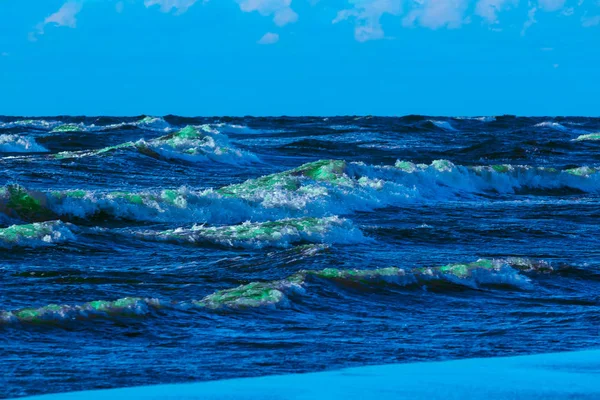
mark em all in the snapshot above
pixel 151 250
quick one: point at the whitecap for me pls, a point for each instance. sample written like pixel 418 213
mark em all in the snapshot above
pixel 20 144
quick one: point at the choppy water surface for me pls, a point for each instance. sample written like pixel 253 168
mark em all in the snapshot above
pixel 148 250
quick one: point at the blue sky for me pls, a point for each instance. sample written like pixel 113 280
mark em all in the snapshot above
pixel 299 57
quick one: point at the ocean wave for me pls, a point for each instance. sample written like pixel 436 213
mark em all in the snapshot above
pixel 443 176
pixel 280 233
pixel 239 129
pixel 94 309
pixel 588 136
pixel 442 124
pixel 192 144
pixel 69 128
pixel 65 155
pixel 154 124
pixel 553 125
pixel 473 275
pixel 559 127
pixel 35 235
pixel 482 119
pixel 480 274
pixel 321 188
pixel 146 123
pixel 20 144
pixel 37 124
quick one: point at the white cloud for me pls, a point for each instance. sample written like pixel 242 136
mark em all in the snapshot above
pixel 588 22
pixel 530 20
pixel 489 9
pixel 367 15
pixel 65 16
pixel 269 38
pixel 551 5
pixel 436 14
pixel 179 6
pixel 544 5
pixel 280 9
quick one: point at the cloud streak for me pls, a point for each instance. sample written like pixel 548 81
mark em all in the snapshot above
pixel 269 38
pixel 489 9
pixel 166 6
pixel 365 15
pixel 65 16
pixel 588 22
pixel 280 10
pixel 435 14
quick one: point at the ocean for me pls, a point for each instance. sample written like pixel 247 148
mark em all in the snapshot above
pixel 147 250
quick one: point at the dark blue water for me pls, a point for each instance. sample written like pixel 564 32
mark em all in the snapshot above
pixel 210 248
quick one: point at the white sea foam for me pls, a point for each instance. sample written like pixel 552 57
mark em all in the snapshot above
pixel 199 144
pixel 35 235
pixel 281 233
pixel 482 119
pixel 443 124
pixel 20 144
pixel 193 144
pixel 559 127
pixel 38 124
pixel 588 136
pixel 320 189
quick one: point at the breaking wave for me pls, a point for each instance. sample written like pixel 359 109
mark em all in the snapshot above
pixel 443 125
pixel 37 124
pixel 146 123
pixel 35 235
pixel 327 187
pixel 20 144
pixel 482 119
pixel 588 136
pixel 480 274
pixel 559 127
pixel 280 233
pixel 193 144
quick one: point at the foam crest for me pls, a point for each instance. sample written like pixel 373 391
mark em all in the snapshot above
pixel 69 128
pixel 588 136
pixel 482 119
pixel 63 155
pixel 321 188
pixel 20 144
pixel 442 176
pixel 553 125
pixel 153 124
pixel 127 307
pixel 443 125
pixel 196 144
pixel 192 144
pixel 482 273
pixel 35 235
pixel 38 124
pixel 237 129
pixel 274 293
pixel 280 233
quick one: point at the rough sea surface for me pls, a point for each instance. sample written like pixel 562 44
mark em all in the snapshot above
pixel 138 251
